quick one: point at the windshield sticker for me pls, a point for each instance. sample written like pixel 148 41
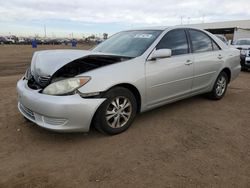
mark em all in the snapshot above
pixel 143 36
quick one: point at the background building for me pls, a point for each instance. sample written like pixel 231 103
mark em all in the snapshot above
pixel 232 30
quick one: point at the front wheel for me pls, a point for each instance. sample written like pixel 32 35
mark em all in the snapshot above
pixel 117 113
pixel 220 87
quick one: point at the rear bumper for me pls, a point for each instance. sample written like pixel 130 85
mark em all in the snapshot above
pixel 58 113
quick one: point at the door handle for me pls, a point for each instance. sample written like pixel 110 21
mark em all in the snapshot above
pixel 189 62
pixel 220 56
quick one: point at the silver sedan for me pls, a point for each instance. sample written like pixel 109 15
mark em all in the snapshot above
pixel 131 72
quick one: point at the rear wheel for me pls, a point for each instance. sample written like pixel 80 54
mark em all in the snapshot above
pixel 117 113
pixel 220 87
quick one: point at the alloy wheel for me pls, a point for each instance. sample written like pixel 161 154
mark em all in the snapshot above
pixel 118 112
pixel 221 86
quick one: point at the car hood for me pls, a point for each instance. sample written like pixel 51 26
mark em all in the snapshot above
pixel 45 63
pixel 242 46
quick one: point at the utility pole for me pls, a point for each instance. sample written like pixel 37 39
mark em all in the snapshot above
pixel 203 18
pixel 181 20
pixel 45 32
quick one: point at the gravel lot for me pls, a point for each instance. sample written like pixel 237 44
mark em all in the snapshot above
pixel 192 143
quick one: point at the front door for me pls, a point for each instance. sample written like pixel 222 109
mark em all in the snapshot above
pixel 170 78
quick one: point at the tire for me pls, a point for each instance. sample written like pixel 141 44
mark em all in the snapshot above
pixel 26 119
pixel 220 87
pixel 117 113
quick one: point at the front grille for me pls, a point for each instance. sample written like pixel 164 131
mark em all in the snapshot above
pixel 43 80
pixel 33 84
pixel 38 82
pixel 27 111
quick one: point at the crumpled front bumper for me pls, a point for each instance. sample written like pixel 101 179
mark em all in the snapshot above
pixel 58 113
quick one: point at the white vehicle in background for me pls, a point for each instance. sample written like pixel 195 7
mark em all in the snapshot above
pixel 21 40
pixel 10 40
pixel 244 46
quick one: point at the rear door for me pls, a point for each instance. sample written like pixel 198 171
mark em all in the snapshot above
pixel 208 58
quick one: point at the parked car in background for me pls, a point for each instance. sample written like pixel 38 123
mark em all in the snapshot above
pixel 3 40
pixel 222 38
pixel 11 39
pixel 64 41
pixel 52 41
pixel 244 46
pixel 131 72
pixel 24 40
pixel 21 40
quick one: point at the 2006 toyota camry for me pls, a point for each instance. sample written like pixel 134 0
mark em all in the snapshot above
pixel 131 72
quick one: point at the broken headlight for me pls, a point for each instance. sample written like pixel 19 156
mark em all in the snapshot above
pixel 67 86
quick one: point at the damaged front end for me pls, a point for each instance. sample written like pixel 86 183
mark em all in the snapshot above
pixel 71 70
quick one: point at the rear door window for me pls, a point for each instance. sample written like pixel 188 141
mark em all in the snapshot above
pixel 200 41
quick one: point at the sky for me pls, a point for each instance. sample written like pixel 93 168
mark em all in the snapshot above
pixel 78 18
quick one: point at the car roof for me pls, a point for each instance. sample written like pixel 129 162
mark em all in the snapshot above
pixel 163 28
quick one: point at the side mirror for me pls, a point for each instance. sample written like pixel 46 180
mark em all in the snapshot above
pixel 161 53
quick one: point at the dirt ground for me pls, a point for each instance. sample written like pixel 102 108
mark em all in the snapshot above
pixel 192 143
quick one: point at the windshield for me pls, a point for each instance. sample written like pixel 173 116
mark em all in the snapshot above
pixel 128 43
pixel 243 42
